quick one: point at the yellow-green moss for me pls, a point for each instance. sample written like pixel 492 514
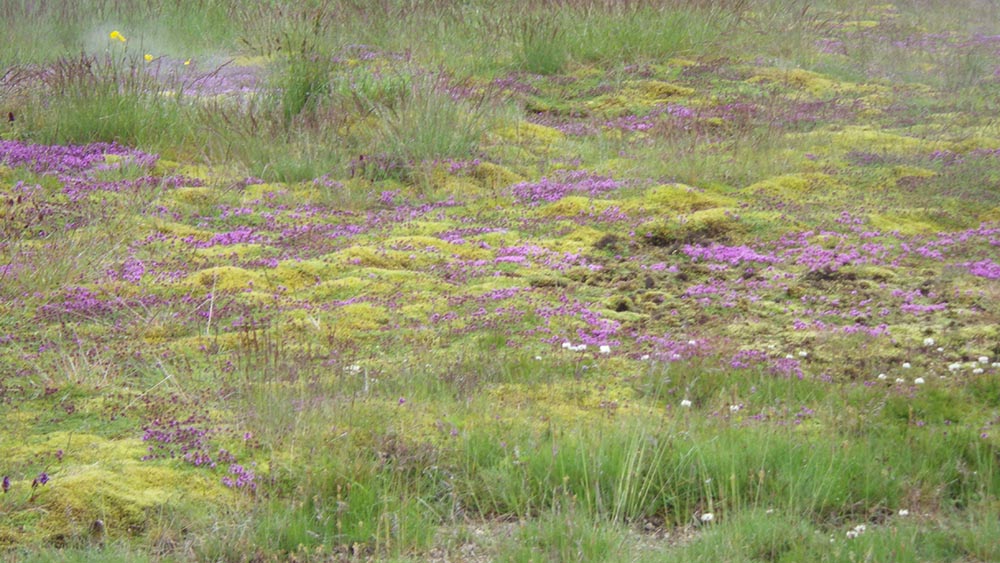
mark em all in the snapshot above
pixel 577 240
pixel 181 230
pixel 990 215
pixel 165 167
pixel 297 274
pixel 814 83
pixel 569 401
pixel 912 172
pixel 494 176
pixel 907 222
pixel 676 198
pixel 343 288
pixel 637 96
pixel 867 139
pixel 574 205
pixel 194 196
pixel 245 251
pixel 797 186
pixel 225 278
pixel 99 479
pixel 531 134
pixel 358 317
pixel 708 224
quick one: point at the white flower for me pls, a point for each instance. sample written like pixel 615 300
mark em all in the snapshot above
pixel 977 371
pixel 882 376
pixel 735 408
pixel 851 534
pixel 605 349
pixel 789 357
pixel 567 345
pixel 581 347
pixel 940 349
pixel 803 353
pixel 900 380
pixel 904 512
pixel 707 517
pixel 919 381
pixel 995 364
pixel 644 357
pixel 539 358
pixel 685 403
pixel 928 342
pixel 906 365
pixel 984 360
pixel 954 367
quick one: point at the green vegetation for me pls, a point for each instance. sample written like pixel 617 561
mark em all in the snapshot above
pixel 655 280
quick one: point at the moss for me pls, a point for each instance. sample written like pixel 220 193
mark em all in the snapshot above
pixel 434 245
pixel 817 85
pixel 877 273
pixel 710 224
pixel 494 176
pixel 676 198
pixel 622 316
pixel 590 399
pixel 245 251
pixel 795 186
pixel 907 222
pixel 98 479
pixel 165 167
pixel 180 230
pixel 573 206
pixel 867 139
pixel 638 96
pixel 194 196
pixel 582 238
pixel 900 172
pixel 531 134
pixel 990 215
pixel 297 274
pixel 225 278
pixel 344 288
pixel 355 318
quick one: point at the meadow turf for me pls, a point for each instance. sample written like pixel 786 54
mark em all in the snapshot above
pixel 649 280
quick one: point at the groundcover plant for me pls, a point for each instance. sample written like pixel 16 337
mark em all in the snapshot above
pixel 644 280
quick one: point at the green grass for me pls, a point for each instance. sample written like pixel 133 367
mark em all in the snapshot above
pixel 359 273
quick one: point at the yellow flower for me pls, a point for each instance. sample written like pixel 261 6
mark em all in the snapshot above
pixel 187 62
pixel 148 57
pixel 115 35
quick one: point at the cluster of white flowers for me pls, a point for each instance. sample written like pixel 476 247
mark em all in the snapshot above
pixel 919 381
pixel 707 517
pixel 856 531
pixel 574 348
pixel 685 403
pixel 904 512
pixel 928 342
pixel 605 349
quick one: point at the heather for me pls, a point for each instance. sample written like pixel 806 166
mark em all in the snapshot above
pixel 442 281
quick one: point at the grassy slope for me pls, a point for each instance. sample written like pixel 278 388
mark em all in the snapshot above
pixel 341 312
